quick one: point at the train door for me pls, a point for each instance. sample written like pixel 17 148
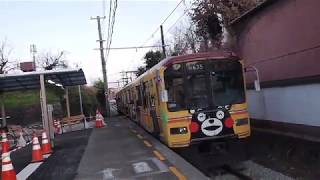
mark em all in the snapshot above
pixel 134 104
pixel 145 111
pixel 148 105
pixel 153 108
pixel 139 104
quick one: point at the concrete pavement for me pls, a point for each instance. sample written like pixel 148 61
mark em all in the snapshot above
pixel 122 150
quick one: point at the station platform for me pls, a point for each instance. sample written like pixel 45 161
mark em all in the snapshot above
pixel 122 150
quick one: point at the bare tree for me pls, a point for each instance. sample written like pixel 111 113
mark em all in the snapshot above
pixel 179 42
pixel 50 61
pixel 184 39
pixel 212 16
pixel 5 63
pixel 191 38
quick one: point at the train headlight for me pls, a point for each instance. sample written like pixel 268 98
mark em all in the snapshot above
pixel 179 130
pixel 201 117
pixel 220 114
pixel 192 111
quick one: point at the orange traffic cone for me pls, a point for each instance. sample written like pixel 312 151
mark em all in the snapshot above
pixel 4 142
pixel 36 150
pixel 8 172
pixel 99 120
pixel 46 146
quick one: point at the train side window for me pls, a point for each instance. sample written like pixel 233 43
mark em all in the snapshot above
pixel 150 96
pixel 144 94
pixel 139 100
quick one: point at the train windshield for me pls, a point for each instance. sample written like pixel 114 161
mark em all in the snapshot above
pixel 226 83
pixel 204 84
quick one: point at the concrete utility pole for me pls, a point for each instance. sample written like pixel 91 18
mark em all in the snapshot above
pixel 162 41
pixel 103 63
pixel 43 98
pixel 33 51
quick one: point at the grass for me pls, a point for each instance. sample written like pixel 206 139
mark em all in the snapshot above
pixel 19 99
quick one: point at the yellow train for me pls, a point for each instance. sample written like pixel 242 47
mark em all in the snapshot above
pixel 184 100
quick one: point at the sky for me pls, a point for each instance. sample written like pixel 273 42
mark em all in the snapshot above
pixel 65 25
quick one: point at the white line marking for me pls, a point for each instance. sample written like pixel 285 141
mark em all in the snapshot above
pixel 46 156
pixel 107 173
pixel 27 171
pixel 141 167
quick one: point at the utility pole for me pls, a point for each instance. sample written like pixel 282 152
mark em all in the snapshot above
pixel 116 82
pixel 103 63
pixel 33 51
pixel 124 78
pixel 162 41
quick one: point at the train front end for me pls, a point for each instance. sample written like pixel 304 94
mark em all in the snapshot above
pixel 206 100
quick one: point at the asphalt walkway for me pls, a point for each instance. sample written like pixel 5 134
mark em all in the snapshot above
pixel 63 163
pixel 122 150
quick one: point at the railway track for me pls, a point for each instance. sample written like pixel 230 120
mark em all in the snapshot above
pixel 219 165
pixel 236 172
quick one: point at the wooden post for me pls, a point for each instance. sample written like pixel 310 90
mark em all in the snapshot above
pixel 3 112
pixel 80 99
pixel 67 102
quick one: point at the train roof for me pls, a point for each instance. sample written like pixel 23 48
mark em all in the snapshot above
pixel 219 54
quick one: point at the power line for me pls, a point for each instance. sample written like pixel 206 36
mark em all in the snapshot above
pixel 132 47
pixel 109 20
pixel 172 12
pixel 157 29
pixel 163 22
pixel 112 27
pixel 185 12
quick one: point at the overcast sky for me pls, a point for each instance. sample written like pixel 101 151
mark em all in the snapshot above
pixel 66 25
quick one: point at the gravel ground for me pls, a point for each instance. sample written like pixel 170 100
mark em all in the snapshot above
pixel 254 171
pixel 259 172
pixel 296 158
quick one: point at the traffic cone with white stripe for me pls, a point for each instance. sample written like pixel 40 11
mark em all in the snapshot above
pixel 36 150
pixel 46 146
pixel 99 120
pixel 8 172
pixel 4 142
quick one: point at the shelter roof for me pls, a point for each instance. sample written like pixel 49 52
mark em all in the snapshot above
pixel 31 80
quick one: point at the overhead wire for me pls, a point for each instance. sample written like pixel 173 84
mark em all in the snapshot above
pixel 158 28
pixel 109 19
pixel 111 27
pixel 179 19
